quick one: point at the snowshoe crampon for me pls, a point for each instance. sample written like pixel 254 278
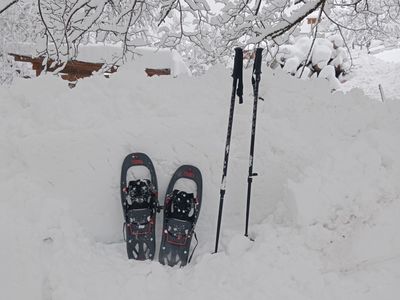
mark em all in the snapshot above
pixel 139 199
pixel 181 211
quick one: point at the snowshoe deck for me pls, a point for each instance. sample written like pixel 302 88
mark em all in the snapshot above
pixel 139 200
pixel 181 211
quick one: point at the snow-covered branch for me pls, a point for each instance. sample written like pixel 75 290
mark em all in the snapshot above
pixel 286 24
pixel 189 25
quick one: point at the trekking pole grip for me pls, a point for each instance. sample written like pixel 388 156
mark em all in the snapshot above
pixel 238 72
pixel 257 61
pixel 238 64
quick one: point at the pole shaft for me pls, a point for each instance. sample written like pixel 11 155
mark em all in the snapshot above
pixel 226 161
pixel 256 82
pixel 237 73
pixel 251 157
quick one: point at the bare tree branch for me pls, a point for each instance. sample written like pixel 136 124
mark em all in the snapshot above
pixel 313 41
pixel 8 6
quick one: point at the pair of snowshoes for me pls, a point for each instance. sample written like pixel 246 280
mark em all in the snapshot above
pixel 139 197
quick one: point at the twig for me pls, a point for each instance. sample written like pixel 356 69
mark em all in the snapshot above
pixel 8 6
pixel 47 33
pixel 315 37
pixel 382 93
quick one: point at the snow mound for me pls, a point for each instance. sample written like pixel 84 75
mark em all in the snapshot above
pixel 325 205
pixel 324 57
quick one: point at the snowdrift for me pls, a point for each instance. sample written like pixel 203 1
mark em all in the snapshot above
pixel 371 71
pixel 325 205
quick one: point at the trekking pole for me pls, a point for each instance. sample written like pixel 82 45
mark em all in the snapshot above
pixel 255 80
pixel 237 89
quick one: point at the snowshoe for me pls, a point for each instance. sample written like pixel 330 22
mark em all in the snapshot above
pixel 181 211
pixel 139 203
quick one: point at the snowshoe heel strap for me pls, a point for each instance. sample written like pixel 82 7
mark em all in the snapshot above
pixel 139 221
pixel 178 231
pixel 139 216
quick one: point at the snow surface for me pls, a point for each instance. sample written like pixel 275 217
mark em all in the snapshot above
pixel 325 208
pixel 392 55
pixel 369 72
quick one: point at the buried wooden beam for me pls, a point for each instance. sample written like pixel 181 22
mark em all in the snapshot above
pixel 75 69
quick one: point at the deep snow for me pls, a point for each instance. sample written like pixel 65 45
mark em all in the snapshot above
pixel 370 71
pixel 392 55
pixel 325 204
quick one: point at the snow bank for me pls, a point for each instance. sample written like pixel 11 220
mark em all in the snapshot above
pixel 369 71
pixel 324 211
pixel 392 55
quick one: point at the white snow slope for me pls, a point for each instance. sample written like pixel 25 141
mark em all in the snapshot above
pixel 392 55
pixel 325 211
pixel 370 71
